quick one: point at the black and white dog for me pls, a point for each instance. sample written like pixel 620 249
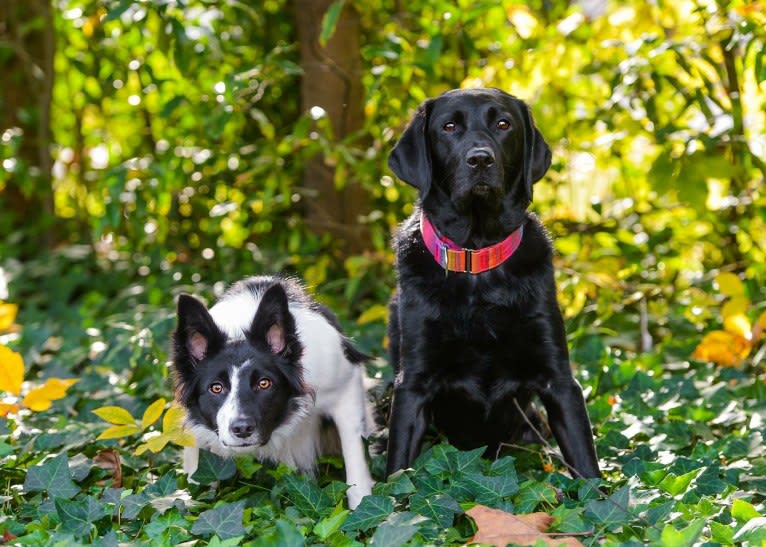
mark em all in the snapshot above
pixel 475 328
pixel 259 373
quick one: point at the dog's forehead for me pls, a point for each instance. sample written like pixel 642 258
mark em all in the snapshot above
pixel 473 100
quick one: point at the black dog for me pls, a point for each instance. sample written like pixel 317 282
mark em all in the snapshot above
pixel 475 326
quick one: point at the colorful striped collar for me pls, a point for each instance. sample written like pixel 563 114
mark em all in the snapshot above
pixel 454 258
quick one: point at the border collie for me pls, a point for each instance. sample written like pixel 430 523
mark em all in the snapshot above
pixel 262 370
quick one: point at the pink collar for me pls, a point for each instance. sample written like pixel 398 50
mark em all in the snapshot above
pixel 450 256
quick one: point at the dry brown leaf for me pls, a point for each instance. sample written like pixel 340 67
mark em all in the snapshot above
pixel 499 528
pixel 109 459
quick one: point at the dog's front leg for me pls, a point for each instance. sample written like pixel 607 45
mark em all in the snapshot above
pixel 568 418
pixel 191 460
pixel 350 419
pixel 406 427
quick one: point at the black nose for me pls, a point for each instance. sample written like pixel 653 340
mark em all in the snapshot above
pixel 480 158
pixel 242 427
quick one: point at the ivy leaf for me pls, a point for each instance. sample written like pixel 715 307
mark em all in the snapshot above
pixel 77 517
pixel 329 525
pixel 369 513
pixel 487 490
pixel 397 529
pixel 152 413
pixel 752 533
pixel 224 521
pixel 531 494
pixel 166 485
pixel 307 497
pixel 676 484
pixel 743 511
pixel 11 371
pixel 613 511
pixel 682 538
pixel 441 508
pixel 133 504
pixel 212 467
pixel 52 477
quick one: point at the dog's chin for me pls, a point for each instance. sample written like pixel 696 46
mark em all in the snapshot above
pixel 244 446
pixel 483 195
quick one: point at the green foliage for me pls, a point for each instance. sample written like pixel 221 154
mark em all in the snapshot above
pixel 179 147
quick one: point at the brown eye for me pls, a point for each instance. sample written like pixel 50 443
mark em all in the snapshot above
pixel 449 127
pixel 503 125
pixel 216 388
pixel 264 383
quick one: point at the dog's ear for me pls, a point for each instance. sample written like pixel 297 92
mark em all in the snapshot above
pixel 197 336
pixel 273 328
pixel 410 159
pixel 537 153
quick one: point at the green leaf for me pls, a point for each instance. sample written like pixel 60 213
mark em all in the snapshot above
pixel 371 511
pixel 132 505
pixel 613 511
pixel 397 529
pixel 115 13
pixel 330 21
pixel 441 508
pixel 721 533
pixel 307 497
pixel 52 477
pixel 77 517
pixel 166 485
pixel 224 521
pixel 329 525
pixel 687 537
pixel 676 484
pixel 487 490
pixel 743 511
pixel 531 494
pixel 283 533
pixel 752 533
pixel 212 467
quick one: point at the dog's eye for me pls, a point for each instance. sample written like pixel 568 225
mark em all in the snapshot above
pixel 216 388
pixel 503 125
pixel 449 127
pixel 264 383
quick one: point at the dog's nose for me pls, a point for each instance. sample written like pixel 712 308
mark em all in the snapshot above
pixel 480 158
pixel 242 427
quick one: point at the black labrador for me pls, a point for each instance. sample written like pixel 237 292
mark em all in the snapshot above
pixel 475 329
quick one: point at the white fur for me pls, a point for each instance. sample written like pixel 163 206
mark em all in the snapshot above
pixel 338 390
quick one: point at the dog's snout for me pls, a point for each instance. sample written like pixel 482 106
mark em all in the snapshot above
pixel 242 427
pixel 480 158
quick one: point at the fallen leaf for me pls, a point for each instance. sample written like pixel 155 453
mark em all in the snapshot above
pixel 109 459
pixel 496 527
pixel 11 371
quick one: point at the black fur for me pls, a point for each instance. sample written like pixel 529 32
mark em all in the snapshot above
pixel 466 348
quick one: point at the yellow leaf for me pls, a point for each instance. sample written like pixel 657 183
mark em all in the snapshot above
pixel 11 371
pixel 762 320
pixel 378 312
pixel 155 444
pixel 181 438
pixel 174 419
pixel 119 431
pixel 729 284
pixel 40 398
pixel 115 415
pixel 7 315
pixel 8 408
pixel 722 347
pixel 738 324
pixel 736 305
pixel 153 413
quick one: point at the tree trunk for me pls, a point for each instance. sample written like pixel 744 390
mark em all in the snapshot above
pixel 26 61
pixel 332 80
